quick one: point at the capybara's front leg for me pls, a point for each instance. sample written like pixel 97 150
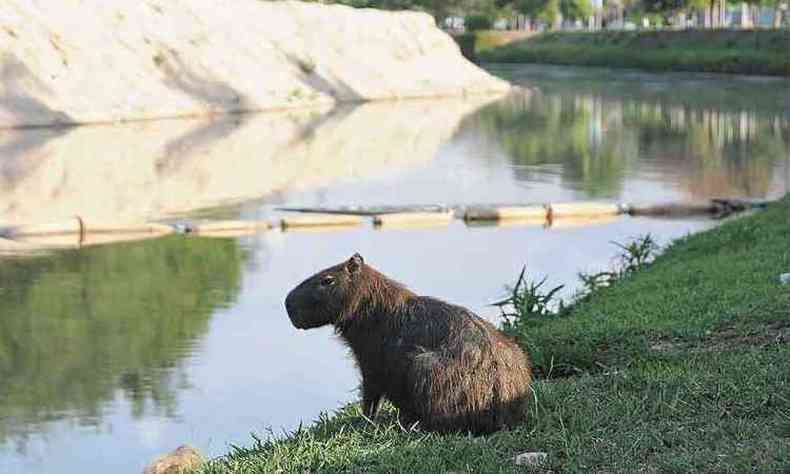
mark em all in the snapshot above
pixel 371 399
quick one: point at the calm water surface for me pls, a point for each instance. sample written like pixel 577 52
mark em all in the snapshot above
pixel 113 354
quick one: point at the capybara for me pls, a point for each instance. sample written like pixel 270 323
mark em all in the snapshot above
pixel 441 365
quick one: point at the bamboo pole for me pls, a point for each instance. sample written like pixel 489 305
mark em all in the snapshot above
pixel 537 213
pixel 413 219
pixel 230 228
pixel 325 220
pixel 582 209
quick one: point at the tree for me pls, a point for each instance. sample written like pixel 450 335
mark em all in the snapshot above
pixel 577 9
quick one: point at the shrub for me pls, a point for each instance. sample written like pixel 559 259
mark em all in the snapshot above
pixel 477 22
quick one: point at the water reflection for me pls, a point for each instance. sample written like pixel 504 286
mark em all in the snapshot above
pixel 576 134
pixel 77 327
pixel 153 169
pixel 596 140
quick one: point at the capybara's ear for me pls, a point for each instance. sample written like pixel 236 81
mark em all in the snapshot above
pixel 354 263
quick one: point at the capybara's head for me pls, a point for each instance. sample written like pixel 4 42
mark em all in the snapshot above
pixel 323 298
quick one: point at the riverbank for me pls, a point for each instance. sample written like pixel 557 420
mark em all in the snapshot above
pixel 133 61
pixel 760 52
pixel 681 366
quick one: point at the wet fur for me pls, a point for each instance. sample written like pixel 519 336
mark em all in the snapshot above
pixel 439 364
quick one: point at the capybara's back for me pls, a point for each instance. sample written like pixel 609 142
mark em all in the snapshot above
pixel 441 365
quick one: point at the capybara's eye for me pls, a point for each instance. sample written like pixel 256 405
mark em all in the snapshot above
pixel 327 281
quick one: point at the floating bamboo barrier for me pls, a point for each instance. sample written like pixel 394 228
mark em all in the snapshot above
pixel 90 227
pixel 63 241
pixel 230 228
pixel 580 221
pixel 522 213
pixel 583 209
pixel 413 219
pixel 78 232
pixel 80 226
pixel 320 220
pixel 367 211
pixel 65 227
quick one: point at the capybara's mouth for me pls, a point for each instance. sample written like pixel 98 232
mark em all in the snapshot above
pixel 298 324
pixel 296 321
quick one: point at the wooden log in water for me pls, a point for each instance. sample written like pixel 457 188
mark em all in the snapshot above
pixel 716 207
pixel 413 219
pixel 524 213
pixel 739 205
pixel 675 210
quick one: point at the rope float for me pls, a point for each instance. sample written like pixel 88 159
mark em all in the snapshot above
pixel 78 231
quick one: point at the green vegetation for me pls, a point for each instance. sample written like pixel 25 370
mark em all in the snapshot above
pixel 537 14
pixel 77 327
pixel 680 366
pixel 477 22
pixel 724 51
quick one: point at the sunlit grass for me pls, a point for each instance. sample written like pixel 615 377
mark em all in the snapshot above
pixel 762 52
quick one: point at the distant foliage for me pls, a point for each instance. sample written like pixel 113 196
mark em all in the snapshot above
pixel 477 22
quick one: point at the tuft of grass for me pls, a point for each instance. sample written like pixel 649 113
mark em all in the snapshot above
pixel 526 301
pixel 680 367
pixel 306 65
pixel 633 257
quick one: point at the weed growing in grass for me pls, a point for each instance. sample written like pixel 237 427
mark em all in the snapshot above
pixel 527 300
pixel 634 256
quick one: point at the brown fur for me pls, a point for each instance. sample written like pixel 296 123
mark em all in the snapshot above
pixel 439 364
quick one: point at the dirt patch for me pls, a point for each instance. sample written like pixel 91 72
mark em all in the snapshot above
pixel 728 337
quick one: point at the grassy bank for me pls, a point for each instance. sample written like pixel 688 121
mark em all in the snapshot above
pixel 682 366
pixel 723 51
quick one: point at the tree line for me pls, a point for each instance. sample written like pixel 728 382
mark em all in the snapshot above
pixel 482 14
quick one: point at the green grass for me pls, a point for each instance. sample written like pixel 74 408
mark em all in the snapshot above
pixel 683 366
pixel 723 51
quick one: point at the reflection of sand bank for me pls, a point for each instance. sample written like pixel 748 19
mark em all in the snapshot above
pixel 147 170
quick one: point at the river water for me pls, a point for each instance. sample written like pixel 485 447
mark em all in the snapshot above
pixel 111 355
